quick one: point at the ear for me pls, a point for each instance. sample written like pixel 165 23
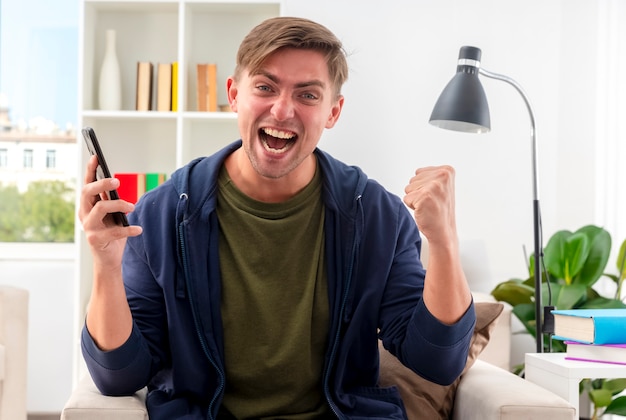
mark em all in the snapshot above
pixel 231 88
pixel 335 112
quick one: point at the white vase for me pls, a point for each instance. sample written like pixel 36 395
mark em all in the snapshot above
pixel 110 87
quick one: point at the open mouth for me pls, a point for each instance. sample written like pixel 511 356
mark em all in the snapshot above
pixel 277 141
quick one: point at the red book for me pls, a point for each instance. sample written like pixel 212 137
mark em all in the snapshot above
pixel 132 186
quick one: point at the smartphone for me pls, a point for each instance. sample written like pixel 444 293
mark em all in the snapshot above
pixel 102 171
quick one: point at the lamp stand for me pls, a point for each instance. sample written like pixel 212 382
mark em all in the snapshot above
pixel 536 208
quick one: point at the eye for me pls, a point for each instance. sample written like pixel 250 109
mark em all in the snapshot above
pixel 263 88
pixel 309 96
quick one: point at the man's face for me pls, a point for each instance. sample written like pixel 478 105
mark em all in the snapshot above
pixel 283 110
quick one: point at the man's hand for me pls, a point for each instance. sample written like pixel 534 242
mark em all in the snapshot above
pixel 430 194
pixel 106 239
pixel 109 320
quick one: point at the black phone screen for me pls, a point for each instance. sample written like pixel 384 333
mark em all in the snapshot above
pixel 102 171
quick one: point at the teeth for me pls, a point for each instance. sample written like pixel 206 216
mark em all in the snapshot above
pixel 285 135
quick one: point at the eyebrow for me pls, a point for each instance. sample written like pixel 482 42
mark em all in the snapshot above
pixel 275 79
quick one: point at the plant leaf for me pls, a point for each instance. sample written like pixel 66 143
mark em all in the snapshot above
pixel 525 312
pixel 597 383
pixel 602 302
pixel 597 257
pixel 577 247
pixel 514 292
pixel 617 407
pixel 600 397
pixel 554 253
pixel 615 386
pixel 567 296
pixel 621 263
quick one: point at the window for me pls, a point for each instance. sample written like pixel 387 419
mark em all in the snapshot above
pixel 38 95
pixel 51 159
pixel 28 158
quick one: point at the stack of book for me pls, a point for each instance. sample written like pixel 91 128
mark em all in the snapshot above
pixel 156 91
pixel 157 87
pixel 134 185
pixel 593 335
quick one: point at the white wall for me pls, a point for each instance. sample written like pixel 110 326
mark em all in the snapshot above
pixel 402 53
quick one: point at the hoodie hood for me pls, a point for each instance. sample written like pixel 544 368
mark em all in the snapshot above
pixel 343 184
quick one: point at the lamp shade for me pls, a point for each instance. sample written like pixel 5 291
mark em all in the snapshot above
pixel 462 106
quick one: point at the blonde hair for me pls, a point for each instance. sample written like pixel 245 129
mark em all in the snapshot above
pixel 292 32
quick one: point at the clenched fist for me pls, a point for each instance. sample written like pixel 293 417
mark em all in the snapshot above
pixel 430 194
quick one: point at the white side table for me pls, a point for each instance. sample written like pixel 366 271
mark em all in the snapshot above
pixel 554 373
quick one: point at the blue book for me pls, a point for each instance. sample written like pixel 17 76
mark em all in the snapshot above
pixel 592 326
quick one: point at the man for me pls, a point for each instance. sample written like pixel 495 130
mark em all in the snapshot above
pixel 255 283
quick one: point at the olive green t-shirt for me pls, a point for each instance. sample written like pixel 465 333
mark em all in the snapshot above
pixel 274 303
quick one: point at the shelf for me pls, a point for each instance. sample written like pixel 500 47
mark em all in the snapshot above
pixel 133 6
pixel 125 115
pixel 184 31
pixel 95 115
pixel 219 116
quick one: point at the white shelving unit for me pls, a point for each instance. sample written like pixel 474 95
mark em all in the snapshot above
pixel 183 31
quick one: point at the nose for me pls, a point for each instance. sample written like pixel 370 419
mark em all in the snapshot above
pixel 283 107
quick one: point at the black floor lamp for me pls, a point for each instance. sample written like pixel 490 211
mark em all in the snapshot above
pixel 462 106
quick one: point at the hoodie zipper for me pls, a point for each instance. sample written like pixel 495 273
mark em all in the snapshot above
pixel 218 391
pixel 344 300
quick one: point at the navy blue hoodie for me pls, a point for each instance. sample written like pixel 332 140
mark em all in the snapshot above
pixel 375 282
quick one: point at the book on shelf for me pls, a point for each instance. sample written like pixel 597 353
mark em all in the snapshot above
pixel 602 353
pixel 132 186
pixel 206 92
pixel 175 86
pixel 164 87
pixel 154 179
pixel 143 100
pixel 592 326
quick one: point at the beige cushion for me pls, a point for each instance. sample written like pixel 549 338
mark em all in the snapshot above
pixel 424 399
pixel 498 350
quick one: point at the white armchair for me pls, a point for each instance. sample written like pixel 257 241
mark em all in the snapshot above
pixel 486 391
pixel 13 352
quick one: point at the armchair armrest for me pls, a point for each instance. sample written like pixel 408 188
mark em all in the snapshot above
pixel 14 343
pixel 485 391
pixel 498 394
pixel 87 403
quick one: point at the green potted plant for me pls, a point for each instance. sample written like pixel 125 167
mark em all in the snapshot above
pixel 573 264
